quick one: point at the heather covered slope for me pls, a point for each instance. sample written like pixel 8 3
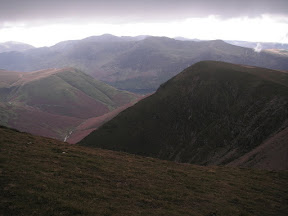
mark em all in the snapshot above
pixel 138 64
pixel 54 101
pixel 211 113
pixel 41 176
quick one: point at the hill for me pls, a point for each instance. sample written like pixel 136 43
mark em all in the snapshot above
pixel 138 64
pixel 262 45
pixel 155 60
pixel 41 176
pixel 54 102
pixel 212 113
pixel 91 124
pixel 281 52
pixel 14 46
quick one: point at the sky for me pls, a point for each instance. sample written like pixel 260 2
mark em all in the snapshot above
pixel 47 22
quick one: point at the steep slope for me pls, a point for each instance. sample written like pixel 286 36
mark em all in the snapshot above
pixel 52 102
pixel 138 64
pixel 272 153
pixel 91 124
pixel 41 176
pixel 211 113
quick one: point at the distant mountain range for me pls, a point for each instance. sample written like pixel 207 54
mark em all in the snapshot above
pixel 248 44
pixel 13 46
pixel 54 102
pixel 138 64
pixel 212 113
pixel 260 45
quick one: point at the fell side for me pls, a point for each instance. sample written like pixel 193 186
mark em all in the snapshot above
pixel 210 114
pixel 42 176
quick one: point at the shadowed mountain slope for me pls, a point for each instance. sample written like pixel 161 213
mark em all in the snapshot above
pixel 52 102
pixel 41 176
pixel 211 113
pixel 138 64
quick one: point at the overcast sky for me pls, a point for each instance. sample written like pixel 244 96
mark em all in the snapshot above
pixel 41 22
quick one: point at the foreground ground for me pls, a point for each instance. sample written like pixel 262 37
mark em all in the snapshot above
pixel 41 176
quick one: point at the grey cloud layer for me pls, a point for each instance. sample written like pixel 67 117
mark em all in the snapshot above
pixel 134 10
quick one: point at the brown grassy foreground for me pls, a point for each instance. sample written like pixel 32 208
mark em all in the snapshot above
pixel 41 176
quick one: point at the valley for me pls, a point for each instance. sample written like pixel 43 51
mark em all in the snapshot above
pixel 144 108
pixel 53 102
pixel 217 114
pixel 217 126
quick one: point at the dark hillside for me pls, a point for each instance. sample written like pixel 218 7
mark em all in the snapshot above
pixel 41 176
pixel 211 113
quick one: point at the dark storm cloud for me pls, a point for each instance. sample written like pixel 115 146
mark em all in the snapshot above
pixel 134 10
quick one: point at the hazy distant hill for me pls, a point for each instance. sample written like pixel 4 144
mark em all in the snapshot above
pixel 14 46
pixel 248 44
pixel 113 38
pixel 261 45
pixel 155 60
pixel 211 113
pixel 41 176
pixel 138 64
pixel 53 102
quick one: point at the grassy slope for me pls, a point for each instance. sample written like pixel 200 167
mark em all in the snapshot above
pixel 270 154
pixel 41 176
pixel 54 101
pixel 98 90
pixel 69 87
pixel 211 113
